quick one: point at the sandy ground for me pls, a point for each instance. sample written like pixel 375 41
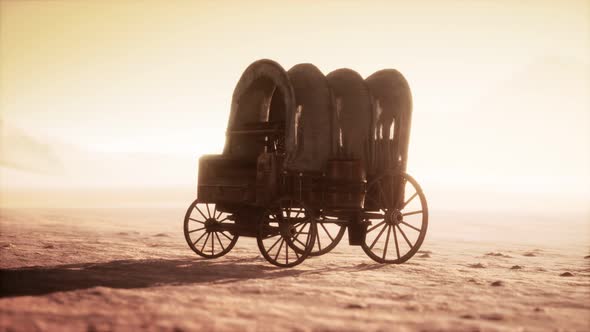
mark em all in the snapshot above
pixel 118 269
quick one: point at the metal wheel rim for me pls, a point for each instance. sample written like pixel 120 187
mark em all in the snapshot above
pixel 203 241
pixel 277 221
pixel 396 232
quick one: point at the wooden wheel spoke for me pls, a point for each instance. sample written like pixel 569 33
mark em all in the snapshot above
pixel 223 233
pixel 409 199
pixel 386 241
pixel 206 240
pixel 196 230
pixel 201 212
pixel 374 227
pixel 299 232
pixel 199 239
pixel 411 213
pixel 287 254
pixel 396 244
pixel 319 243
pixel 288 209
pixel 412 227
pixel 219 240
pixel 325 230
pixel 202 222
pixel 378 236
pixel 303 244
pixel 271 247
pixel 280 247
pixel 405 237
pixel 212 244
pixel 208 211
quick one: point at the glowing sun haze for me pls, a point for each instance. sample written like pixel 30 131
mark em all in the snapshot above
pixel 130 93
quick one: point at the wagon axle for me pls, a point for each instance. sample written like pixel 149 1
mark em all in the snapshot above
pixel 213 225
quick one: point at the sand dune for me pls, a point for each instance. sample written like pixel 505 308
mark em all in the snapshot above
pixel 130 269
pixel 23 152
pixel 32 162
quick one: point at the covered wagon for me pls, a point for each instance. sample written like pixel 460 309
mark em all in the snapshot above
pixel 306 158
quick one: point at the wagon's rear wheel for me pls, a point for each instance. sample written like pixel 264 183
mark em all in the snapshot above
pixel 396 231
pixel 205 230
pixel 282 225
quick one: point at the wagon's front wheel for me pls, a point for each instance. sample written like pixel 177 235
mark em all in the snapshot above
pixel 285 223
pixel 398 228
pixel 206 230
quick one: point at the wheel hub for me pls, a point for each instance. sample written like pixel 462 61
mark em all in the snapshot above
pixel 393 217
pixel 210 224
pixel 287 230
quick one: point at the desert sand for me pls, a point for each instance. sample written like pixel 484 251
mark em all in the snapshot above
pixel 130 269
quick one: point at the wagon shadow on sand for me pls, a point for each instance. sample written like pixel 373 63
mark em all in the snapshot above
pixel 133 274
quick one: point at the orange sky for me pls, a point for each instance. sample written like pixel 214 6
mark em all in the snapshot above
pixel 500 88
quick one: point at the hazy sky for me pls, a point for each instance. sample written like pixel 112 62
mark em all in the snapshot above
pixel 500 87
